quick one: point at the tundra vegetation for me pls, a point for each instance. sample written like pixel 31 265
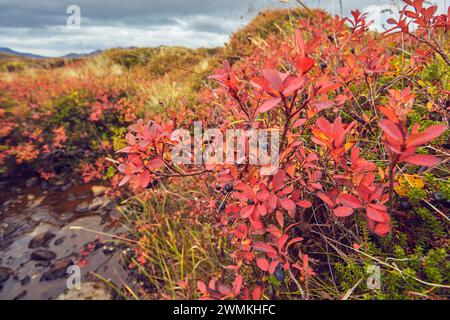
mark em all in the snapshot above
pixel 363 178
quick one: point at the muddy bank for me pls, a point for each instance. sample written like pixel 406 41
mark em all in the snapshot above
pixel 47 227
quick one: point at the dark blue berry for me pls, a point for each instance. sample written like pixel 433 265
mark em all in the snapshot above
pixel 438 196
pixel 405 205
pixel 222 206
pixel 279 274
pixel 228 187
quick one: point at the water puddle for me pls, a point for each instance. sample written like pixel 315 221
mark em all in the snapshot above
pixel 46 228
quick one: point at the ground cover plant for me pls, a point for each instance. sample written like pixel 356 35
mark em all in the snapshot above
pixel 362 180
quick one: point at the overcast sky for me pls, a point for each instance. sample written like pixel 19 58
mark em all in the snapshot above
pixel 40 26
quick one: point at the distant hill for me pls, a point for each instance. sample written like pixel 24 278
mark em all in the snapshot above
pixel 21 54
pixel 9 52
pixel 81 55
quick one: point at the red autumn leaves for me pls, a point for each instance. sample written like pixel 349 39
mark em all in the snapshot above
pixel 422 17
pixel 144 152
pixel 365 193
pixel 219 290
pixel 401 144
pixel 226 76
pixel 260 200
pixel 358 178
pixel 377 215
pixel 277 86
pixel 332 135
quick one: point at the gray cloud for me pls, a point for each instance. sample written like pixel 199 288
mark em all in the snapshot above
pixel 40 13
pixel 39 26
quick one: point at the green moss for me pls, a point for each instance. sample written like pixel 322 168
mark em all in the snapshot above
pixel 68 107
pixel 420 115
pixel 437 73
pixel 431 267
pixel 428 227
pixel 435 184
pixel 110 172
pixel 415 195
pixel 418 253
pixel 274 281
pixel 119 138
pixel 437 265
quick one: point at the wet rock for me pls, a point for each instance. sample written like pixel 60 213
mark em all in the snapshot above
pixel 82 208
pixel 43 264
pixel 106 218
pixel 57 270
pixel 8 203
pixel 54 199
pixel 95 204
pixel 83 196
pixel 88 291
pixel 34 202
pixel 66 216
pixel 71 197
pixel 3 229
pixel 26 280
pixel 41 240
pixel 99 190
pixel 59 241
pixel 66 186
pixel 42 214
pixel 32 182
pixel 93 245
pixel 43 255
pixel 107 250
pixel 98 203
pixel 20 295
pixel 58 183
pixel 5 273
pixel 17 190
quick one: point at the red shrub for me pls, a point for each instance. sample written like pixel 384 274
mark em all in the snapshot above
pixel 295 87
